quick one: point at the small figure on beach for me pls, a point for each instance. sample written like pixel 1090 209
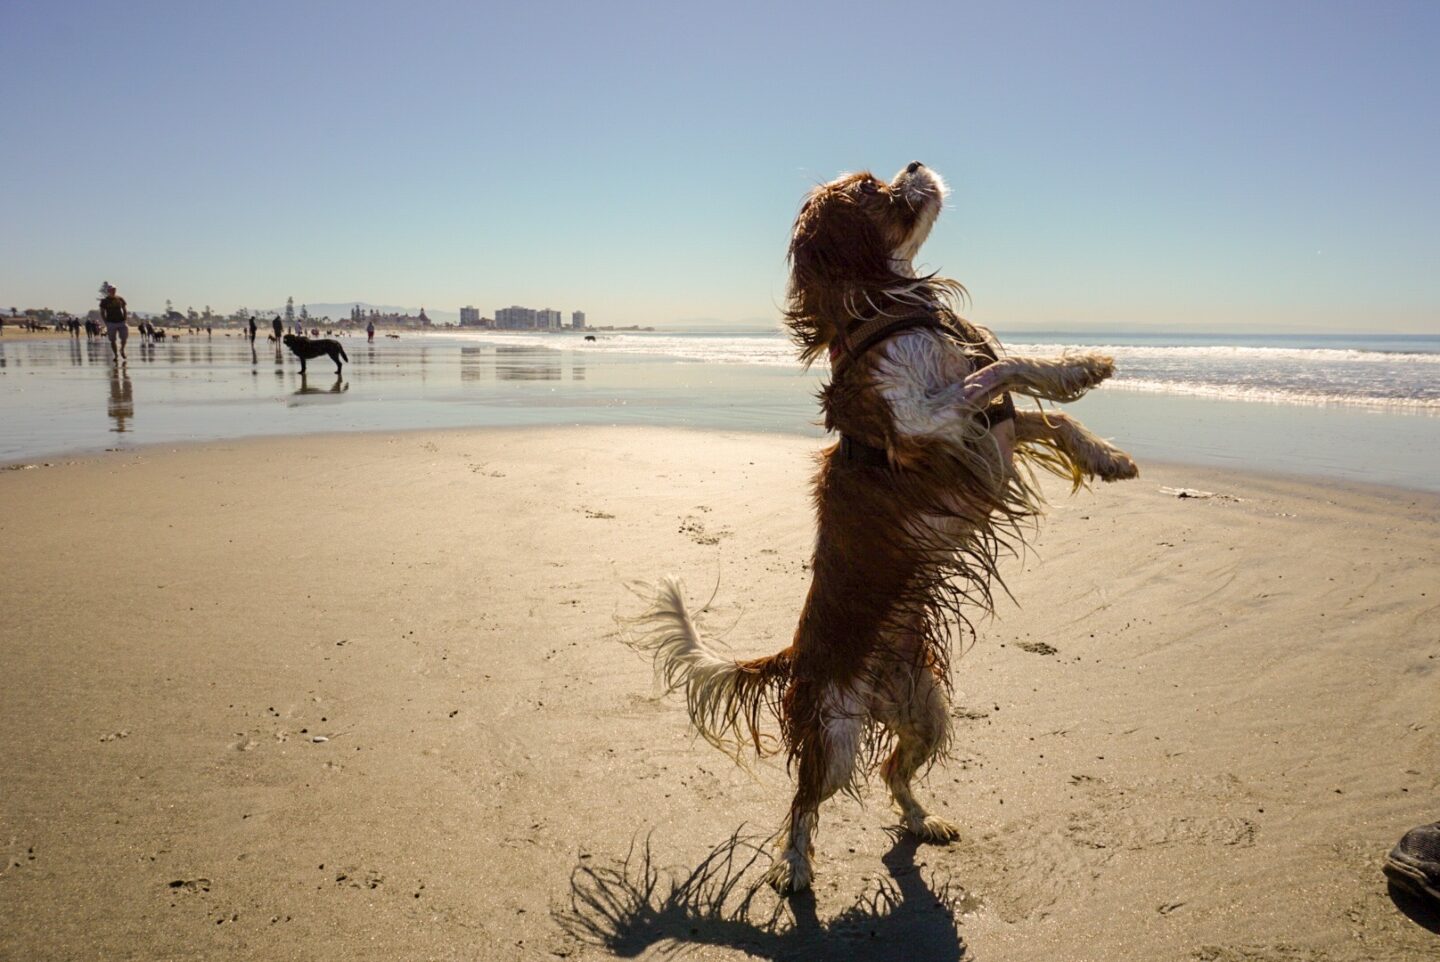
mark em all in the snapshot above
pixel 370 333
pixel 278 328
pixel 115 315
pixel 253 328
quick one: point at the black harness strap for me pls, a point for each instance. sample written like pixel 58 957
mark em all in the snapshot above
pixel 866 334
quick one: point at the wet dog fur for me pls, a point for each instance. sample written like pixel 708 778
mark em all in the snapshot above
pixel 906 550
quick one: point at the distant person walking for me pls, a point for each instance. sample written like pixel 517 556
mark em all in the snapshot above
pixel 279 330
pixel 253 328
pixel 370 332
pixel 299 328
pixel 115 315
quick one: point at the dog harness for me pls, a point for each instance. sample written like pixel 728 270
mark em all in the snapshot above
pixel 865 334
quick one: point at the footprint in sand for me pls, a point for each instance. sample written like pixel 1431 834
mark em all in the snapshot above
pixel 694 528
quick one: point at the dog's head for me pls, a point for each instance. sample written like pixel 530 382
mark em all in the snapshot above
pixel 852 249
pixel 291 340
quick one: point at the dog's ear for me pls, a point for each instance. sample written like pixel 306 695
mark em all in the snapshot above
pixel 837 255
pixel 836 245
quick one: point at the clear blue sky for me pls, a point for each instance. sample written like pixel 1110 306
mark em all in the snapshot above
pixel 1211 166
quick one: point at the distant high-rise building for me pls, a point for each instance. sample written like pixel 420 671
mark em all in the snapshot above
pixel 515 318
pixel 577 320
pixel 469 317
pixel 547 320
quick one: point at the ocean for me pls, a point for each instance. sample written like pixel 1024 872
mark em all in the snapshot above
pixel 1358 408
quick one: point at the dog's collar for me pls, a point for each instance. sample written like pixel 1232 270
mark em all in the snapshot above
pixel 863 334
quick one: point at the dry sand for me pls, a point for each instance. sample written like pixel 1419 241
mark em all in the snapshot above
pixel 1195 738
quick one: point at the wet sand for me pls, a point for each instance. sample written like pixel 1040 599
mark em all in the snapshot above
pixel 74 398
pixel 363 697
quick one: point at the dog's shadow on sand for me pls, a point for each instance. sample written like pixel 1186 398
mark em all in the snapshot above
pixel 626 908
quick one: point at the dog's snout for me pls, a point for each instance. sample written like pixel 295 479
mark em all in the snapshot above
pixel 913 166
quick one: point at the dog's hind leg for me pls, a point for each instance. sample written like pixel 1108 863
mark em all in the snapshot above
pixel 827 764
pixel 915 708
pixel 1093 456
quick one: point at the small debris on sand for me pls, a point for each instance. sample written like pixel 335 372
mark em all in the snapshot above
pixel 1197 494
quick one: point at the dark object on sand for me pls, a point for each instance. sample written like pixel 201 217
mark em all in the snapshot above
pixel 1414 863
pixel 589 337
pixel 306 349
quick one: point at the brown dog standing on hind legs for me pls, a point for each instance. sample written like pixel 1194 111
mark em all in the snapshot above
pixel 930 481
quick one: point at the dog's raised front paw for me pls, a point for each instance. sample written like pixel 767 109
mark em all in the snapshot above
pixel 790 873
pixel 932 828
pixel 1096 367
pixel 1120 467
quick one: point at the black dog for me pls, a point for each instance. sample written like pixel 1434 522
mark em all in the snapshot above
pixel 305 349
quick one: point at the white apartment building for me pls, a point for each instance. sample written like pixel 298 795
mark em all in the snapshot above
pixel 515 318
pixel 577 320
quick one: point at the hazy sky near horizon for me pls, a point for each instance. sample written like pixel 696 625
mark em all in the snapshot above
pixel 1198 166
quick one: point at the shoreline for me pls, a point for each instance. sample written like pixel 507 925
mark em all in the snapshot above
pixel 363 695
pixel 75 400
pixel 1214 474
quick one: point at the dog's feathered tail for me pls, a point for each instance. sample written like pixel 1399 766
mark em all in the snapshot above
pixel 343 354
pixel 725 697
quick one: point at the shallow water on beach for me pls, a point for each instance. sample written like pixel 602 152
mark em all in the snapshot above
pixel 60 396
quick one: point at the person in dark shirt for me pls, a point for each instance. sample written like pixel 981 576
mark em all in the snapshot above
pixel 253 328
pixel 115 315
pixel 278 328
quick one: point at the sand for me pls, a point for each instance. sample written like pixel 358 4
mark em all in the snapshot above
pixel 363 697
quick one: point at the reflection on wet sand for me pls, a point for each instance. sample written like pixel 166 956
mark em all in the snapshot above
pixel 473 366
pixel 196 390
pixel 121 407
pixel 526 364
pixel 339 387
